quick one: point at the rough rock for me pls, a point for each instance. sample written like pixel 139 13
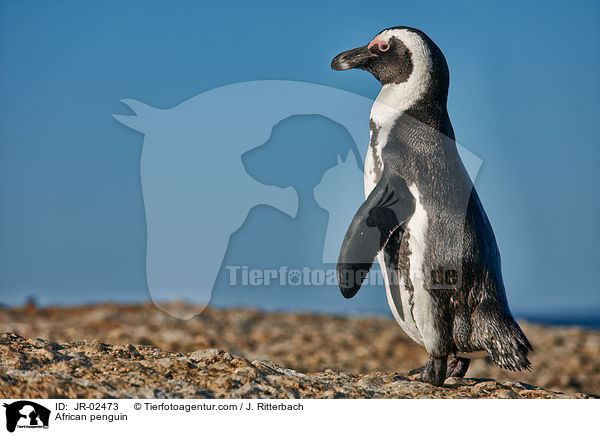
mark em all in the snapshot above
pixel 566 359
pixel 36 368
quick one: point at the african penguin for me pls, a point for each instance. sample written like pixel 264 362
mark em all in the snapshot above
pixel 422 217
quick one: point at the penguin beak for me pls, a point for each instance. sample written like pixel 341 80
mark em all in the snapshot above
pixel 355 58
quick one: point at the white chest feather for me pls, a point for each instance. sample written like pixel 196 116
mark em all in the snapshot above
pixel 422 315
pixel 373 166
pixel 409 300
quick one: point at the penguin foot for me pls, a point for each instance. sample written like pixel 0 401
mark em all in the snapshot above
pixel 457 367
pixel 435 371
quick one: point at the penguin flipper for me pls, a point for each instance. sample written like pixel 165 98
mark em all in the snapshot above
pixel 387 208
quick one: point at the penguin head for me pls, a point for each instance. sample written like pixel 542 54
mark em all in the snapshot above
pixel 400 55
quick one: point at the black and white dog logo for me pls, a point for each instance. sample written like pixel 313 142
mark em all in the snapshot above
pixel 26 414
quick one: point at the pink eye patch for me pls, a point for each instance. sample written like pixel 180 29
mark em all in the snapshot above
pixel 381 45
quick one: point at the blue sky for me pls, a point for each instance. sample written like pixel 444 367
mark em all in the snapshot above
pixel 523 96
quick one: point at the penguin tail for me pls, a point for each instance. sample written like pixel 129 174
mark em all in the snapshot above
pixel 499 334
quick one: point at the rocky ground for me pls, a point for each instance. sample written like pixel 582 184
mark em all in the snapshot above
pixel 36 368
pixel 138 351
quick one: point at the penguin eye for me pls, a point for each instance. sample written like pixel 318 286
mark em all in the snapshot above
pixel 381 45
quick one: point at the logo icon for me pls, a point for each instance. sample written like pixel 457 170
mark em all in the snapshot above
pixel 26 414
